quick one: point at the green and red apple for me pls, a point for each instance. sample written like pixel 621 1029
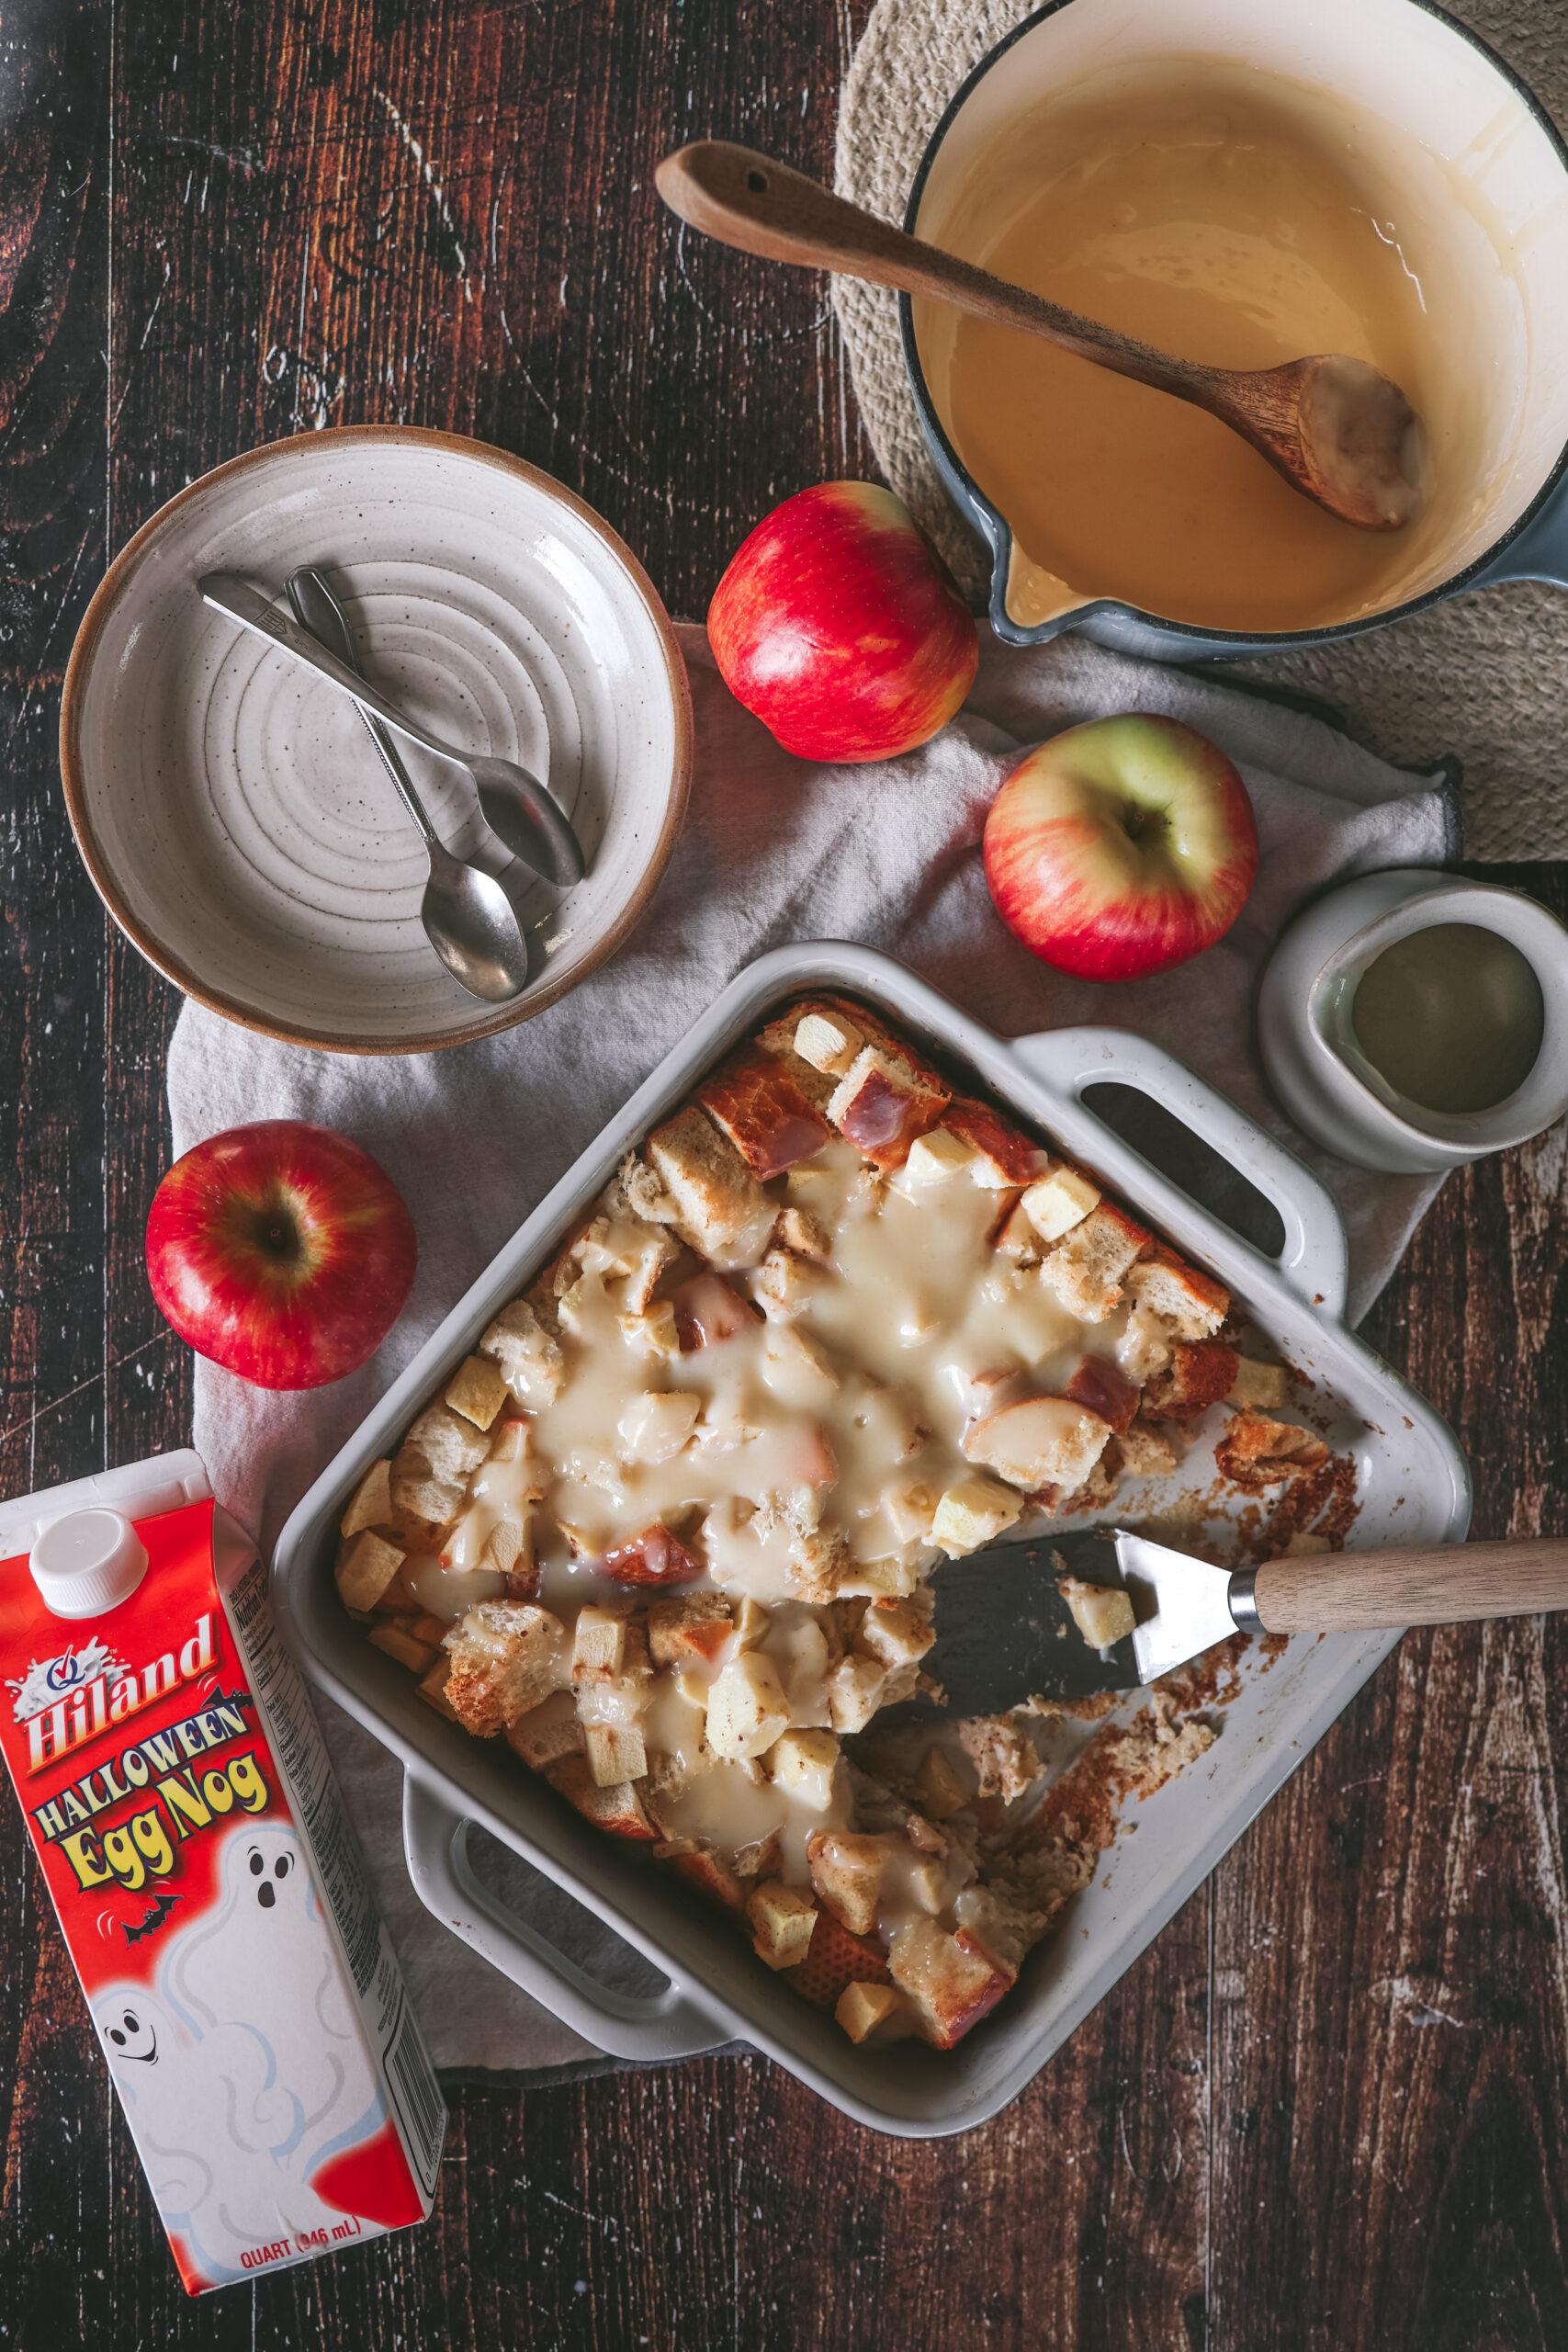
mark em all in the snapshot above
pixel 1121 847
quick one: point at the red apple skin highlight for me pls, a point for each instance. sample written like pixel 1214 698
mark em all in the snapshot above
pixel 841 630
pixel 281 1251
pixel 1121 847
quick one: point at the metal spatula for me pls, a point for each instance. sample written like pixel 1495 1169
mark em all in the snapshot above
pixel 1004 1633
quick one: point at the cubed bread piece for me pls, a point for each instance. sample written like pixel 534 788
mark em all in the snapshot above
pixel 1201 1372
pixel 704 1869
pixel 720 1208
pixel 615 1752
pixel 847 1870
pixel 759 1857
pixel 527 1354
pixel 656 1423
pixel 1086 1270
pixel 396 1642
pixel 1105 1389
pixel 477 1390
pixel 874 2013
pixel 1059 1200
pixel 910 1508
pixel 940 1791
pixel 778 1039
pixel 688 1628
pixel 433 1689
pixel 372 1502
pixel 783 1920
pixel 1192 1303
pixel 1267 1385
pixel 884 1101
pixel 1042 1442
pixel 448 1442
pixel 599 1645
pixel 952 1987
pixel 548 1732
pixel 622 1247
pixel 805 1235
pixel 803 1764
pixel 829 1041
pixel 1015 1240
pixel 1145 1453
pixel 1005 1758
pixel 747 1709
pixel 366 1566
pixel 1001 1156
pixel 973 1511
pixel 753 1099
pixel 618 1809
pixel 856 1687
pixel 507 1657
pixel 783 1285
pixel 654 1331
pixel 897 1631
pixel 1102 1613
pixel 893 1579
pixel 1258 1452
pixel 1145 1343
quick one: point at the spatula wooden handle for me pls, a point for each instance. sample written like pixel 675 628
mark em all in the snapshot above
pixel 1331 1592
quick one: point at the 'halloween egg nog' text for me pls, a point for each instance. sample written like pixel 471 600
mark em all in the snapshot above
pixel 213 1898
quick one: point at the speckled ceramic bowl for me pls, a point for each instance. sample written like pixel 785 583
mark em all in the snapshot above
pixel 232 810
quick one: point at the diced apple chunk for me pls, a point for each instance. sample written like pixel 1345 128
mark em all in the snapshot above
pixel 1042 1442
pixel 934 1159
pixel 1102 1613
pixel 747 1709
pixel 873 2013
pixel 527 1354
pixel 1057 1200
pixel 783 1920
pixel 828 1042
pixel 372 1502
pixel 896 1631
pixel 803 1763
pixel 855 1689
pixel 615 1752
pixel 783 1285
pixel 1264 1385
pixel 365 1567
pixel 656 1424
pixel 847 1869
pixel 972 1513
pixel 599 1645
pixel 478 1391
pixel 654 1331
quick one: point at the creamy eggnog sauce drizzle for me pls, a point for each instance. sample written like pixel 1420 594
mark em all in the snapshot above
pixel 871 1390
pixel 1231 219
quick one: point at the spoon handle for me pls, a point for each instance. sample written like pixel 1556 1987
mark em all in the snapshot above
pixel 749 201
pixel 226 592
pixel 317 609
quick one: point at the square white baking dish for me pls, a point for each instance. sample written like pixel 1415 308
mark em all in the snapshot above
pixel 1413 1487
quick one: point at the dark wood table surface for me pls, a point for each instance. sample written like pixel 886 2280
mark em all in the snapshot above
pixel 1327 2109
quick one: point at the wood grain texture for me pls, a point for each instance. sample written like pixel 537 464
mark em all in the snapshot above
pixel 1327 2109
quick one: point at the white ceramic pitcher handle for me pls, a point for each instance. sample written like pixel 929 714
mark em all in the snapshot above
pixel 1316 1260
pixel 659 2026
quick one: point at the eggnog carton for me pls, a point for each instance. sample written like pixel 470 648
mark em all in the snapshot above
pixel 211 1893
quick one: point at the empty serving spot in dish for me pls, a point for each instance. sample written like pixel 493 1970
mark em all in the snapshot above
pixel 672 1529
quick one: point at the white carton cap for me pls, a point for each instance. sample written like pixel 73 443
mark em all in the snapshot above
pixel 87 1562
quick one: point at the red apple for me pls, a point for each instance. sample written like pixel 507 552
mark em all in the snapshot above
pixel 841 629
pixel 281 1251
pixel 1121 847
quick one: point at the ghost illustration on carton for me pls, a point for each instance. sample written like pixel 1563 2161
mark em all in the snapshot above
pixel 247 2043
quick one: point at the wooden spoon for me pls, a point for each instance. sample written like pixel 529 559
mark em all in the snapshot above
pixel 1339 431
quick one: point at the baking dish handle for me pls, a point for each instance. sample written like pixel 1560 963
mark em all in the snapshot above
pixel 435 1840
pixel 1315 1258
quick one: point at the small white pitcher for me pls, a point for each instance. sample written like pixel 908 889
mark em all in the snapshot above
pixel 1317 1071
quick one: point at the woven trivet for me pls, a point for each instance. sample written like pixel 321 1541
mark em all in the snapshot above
pixel 1485 677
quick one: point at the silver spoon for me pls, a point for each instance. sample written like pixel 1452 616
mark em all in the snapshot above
pixel 468 917
pixel 515 805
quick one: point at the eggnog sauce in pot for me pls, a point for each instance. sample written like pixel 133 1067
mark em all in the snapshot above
pixel 1232 217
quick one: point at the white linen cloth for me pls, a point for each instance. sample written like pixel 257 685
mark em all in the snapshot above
pixel 774 848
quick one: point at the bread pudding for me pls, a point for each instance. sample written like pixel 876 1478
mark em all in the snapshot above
pixel 671 1531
